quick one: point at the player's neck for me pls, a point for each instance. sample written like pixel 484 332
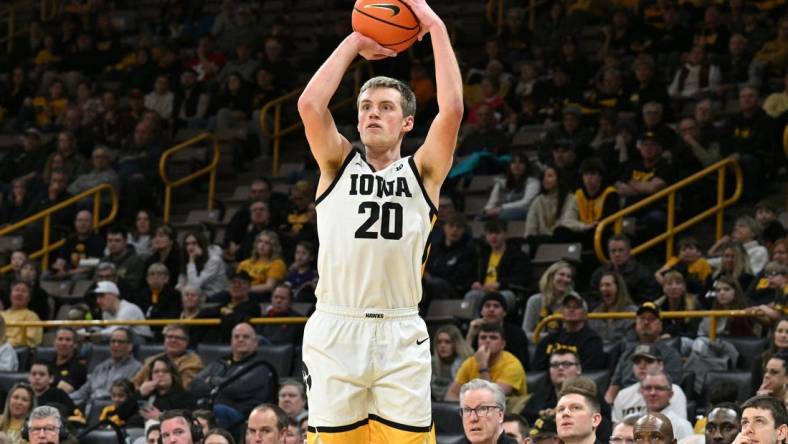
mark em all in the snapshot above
pixel 380 159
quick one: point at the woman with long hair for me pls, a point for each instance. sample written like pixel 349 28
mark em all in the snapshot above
pixel 676 298
pixel 735 263
pixel 614 299
pixel 546 210
pixel 140 235
pixel 778 342
pixel 729 297
pixel 760 288
pixel 512 194
pixel 162 391
pixel 201 268
pixel 20 402
pixel 449 351
pixel 165 250
pixel 265 267
pixel 555 283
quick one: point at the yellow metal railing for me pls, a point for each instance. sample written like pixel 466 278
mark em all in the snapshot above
pixel 150 322
pixel 46 215
pixel 210 169
pixel 9 14
pixel 277 132
pixel 713 316
pixel 669 193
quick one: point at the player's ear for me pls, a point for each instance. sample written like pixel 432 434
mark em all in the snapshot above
pixel 408 123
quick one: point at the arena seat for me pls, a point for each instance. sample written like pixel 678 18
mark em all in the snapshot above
pixel 23 357
pixel 99 437
pixel 212 352
pixel 144 351
pixel 450 439
pixel 446 417
pixel 741 378
pixel 448 310
pixel 600 377
pixel 749 349
pixel 57 289
pixel 296 370
pixel 44 353
pixel 535 379
pixel 280 356
pixel 7 380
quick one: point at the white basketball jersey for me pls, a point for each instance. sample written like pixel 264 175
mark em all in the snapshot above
pixel 373 227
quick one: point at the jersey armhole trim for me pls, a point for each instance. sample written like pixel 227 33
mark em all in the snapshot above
pixel 412 164
pixel 351 154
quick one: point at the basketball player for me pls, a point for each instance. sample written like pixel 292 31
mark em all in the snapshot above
pixel 366 351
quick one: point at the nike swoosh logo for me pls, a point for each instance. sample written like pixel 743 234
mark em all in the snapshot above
pixel 421 342
pixel 393 8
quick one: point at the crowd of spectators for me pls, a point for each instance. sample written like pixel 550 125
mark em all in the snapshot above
pixel 572 130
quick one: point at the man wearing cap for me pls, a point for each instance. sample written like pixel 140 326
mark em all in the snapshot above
pixel 630 401
pixel 494 311
pixel 114 308
pixel 491 363
pixel 648 328
pixel 543 432
pixel 574 334
pixel 239 309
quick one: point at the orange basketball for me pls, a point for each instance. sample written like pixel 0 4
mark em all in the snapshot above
pixel 388 22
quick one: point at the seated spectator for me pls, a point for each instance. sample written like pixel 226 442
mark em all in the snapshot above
pixel 128 265
pixel 690 263
pixel 302 275
pixel 775 376
pixel 452 263
pixel 299 224
pixel 176 342
pixel 140 235
pixel 191 101
pixel 760 287
pixel 493 311
pixel 242 242
pixel 564 364
pixel 18 404
pixel 162 390
pixel 592 202
pixel 17 260
pixel 492 363
pixel 773 55
pixel 697 149
pixel 614 298
pixel 630 400
pixel 161 99
pixel 728 296
pixel 9 362
pixel 750 138
pixel 83 243
pixel 482 408
pixel 54 193
pixel 773 230
pixel 449 351
pixel 646 87
pixel 265 266
pixel 121 392
pixel 41 379
pixel 208 60
pixel 501 267
pixel 578 412
pixel 641 285
pixel 512 194
pixel 676 298
pixel 608 92
pixel 120 365
pixel 19 312
pixel 657 390
pixel 574 334
pixel 158 299
pixel 241 381
pixel 565 158
pixel 191 299
pixel 648 327
pixel 555 283
pixel 201 268
pixel 165 250
pixel 70 369
pixel 643 177
pixel 239 309
pixel 232 106
pixel 733 262
pixel 773 308
pixel 282 307
pixel 275 204
pixel 16 204
pixel 746 231
pixel 696 77
pixel 547 209
pixel 114 308
pixel 46 111
pixel 292 399
pixel 39 299
pixel 101 173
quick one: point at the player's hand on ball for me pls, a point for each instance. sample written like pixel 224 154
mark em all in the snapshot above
pixel 372 50
pixel 427 17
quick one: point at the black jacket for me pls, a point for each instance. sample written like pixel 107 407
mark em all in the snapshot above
pixel 456 264
pixel 241 385
pixel 512 269
pixel 586 343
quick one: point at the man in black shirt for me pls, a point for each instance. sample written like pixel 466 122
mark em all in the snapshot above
pixel 493 310
pixel 574 335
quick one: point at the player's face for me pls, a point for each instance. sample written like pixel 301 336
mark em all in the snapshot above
pixel 758 426
pixel 478 427
pixel 380 120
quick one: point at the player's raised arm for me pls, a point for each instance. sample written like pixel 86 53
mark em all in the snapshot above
pixel 327 145
pixel 435 156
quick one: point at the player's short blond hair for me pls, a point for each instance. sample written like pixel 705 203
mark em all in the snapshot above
pixel 408 101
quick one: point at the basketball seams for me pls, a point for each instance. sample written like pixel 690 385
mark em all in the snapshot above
pixel 396 25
